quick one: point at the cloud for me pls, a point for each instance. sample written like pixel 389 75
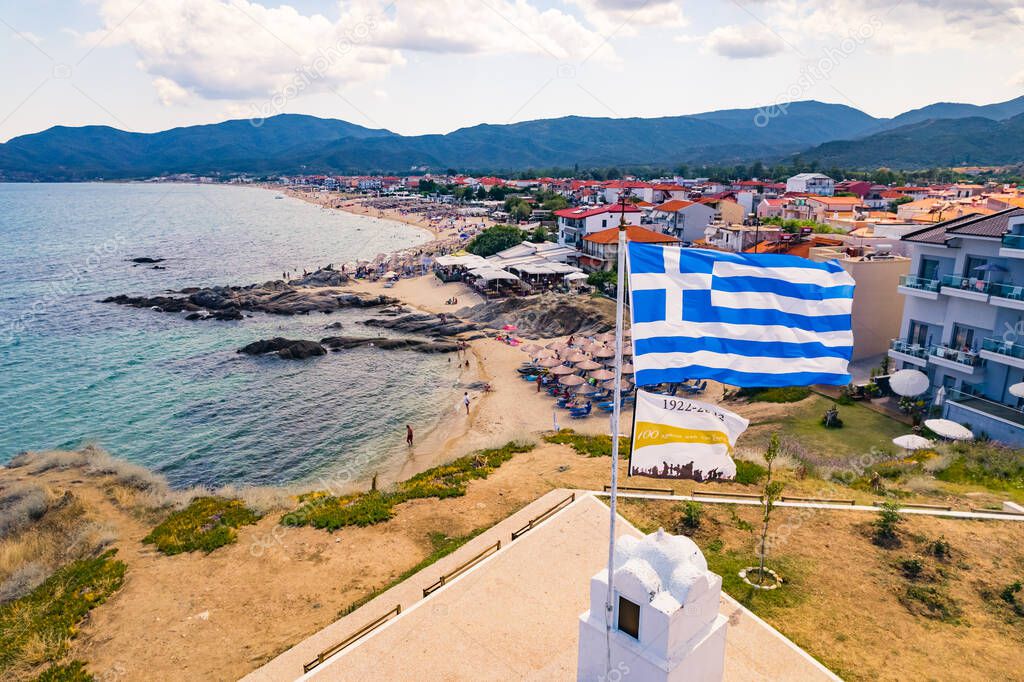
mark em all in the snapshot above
pixel 623 17
pixel 169 92
pixel 239 49
pixel 743 42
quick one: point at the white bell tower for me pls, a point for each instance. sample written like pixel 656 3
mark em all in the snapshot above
pixel 666 624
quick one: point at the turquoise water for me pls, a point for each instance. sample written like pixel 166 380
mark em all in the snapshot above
pixel 174 395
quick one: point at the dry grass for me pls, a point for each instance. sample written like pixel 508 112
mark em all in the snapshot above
pixel 870 613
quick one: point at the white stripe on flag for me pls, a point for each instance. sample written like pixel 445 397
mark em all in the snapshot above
pixel 753 332
pixel 673 294
pixel 742 363
pixel 653 280
pixel 762 300
pixel 785 274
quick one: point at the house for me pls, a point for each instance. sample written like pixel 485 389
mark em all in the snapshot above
pixel 640 190
pixel 683 219
pixel 811 183
pixel 600 250
pixel 736 237
pixel 665 191
pixel 824 208
pixel 770 208
pixel 576 223
pixel 963 319
pixel 727 209
pixel 876 314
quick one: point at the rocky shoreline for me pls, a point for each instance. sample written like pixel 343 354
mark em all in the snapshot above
pixel 316 292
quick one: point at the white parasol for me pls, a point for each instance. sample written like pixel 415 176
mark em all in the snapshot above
pixel 949 429
pixel 912 442
pixel 1017 390
pixel 908 382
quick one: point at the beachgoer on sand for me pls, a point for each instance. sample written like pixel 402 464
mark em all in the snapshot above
pixel 408 435
pixel 465 400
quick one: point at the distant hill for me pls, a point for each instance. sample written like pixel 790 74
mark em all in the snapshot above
pixel 952 110
pixel 306 144
pixel 63 153
pixel 932 143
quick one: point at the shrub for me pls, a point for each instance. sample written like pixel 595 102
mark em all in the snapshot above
pixel 784 394
pixel 985 463
pixel 1009 595
pixel 37 627
pixel 20 505
pixel 690 519
pixel 940 549
pixel 929 601
pixel 74 671
pixel 749 473
pixel 205 524
pixel 331 512
pixel 887 524
pixel 591 446
pixel 912 568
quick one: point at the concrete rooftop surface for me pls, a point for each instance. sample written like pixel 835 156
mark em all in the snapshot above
pixel 514 615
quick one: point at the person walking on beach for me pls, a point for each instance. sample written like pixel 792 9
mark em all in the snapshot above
pixel 465 401
pixel 408 435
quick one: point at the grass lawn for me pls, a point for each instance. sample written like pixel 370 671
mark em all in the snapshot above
pixel 804 437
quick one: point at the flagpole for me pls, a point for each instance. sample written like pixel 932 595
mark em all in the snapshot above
pixel 616 413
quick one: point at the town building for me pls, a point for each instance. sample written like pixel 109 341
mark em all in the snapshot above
pixel 576 223
pixel 683 219
pixel 600 250
pixel 963 320
pixel 877 315
pixel 737 237
pixel 811 183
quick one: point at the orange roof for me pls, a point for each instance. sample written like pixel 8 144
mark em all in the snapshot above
pixel 673 205
pixel 634 233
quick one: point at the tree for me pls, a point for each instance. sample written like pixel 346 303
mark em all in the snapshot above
pixel 539 235
pixel 494 239
pixel 555 203
pixel 896 203
pixel 772 492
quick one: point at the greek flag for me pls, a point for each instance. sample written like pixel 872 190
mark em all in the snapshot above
pixel 741 319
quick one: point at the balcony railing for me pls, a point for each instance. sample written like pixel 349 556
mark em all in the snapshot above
pixel 962 357
pixel 913 282
pixel 966 283
pixel 1010 291
pixel 987 406
pixel 908 348
pixel 1002 347
pixel 1013 241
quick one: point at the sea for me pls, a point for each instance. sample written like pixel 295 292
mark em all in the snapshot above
pixel 173 395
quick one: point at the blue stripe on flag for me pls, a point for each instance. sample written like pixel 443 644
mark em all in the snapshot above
pixel 697 307
pixel 647 377
pixel 648 305
pixel 810 292
pixel 646 261
pixel 767 349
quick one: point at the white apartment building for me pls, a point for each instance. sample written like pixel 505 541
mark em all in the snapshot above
pixel 812 183
pixel 576 223
pixel 963 319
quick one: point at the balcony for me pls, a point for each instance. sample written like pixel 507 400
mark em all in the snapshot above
pixel 964 361
pixel 971 288
pixel 1007 296
pixel 911 285
pixel 1012 246
pixel 994 419
pixel 1003 351
pixel 914 353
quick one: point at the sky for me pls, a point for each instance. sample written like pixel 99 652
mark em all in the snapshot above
pixel 432 66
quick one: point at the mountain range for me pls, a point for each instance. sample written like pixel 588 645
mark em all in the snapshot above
pixel 941 134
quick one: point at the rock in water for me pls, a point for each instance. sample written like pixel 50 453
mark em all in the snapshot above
pixel 289 349
pixel 147 260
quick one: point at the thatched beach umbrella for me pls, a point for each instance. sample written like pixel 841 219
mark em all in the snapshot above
pixel 572 380
pixel 605 353
pixel 531 348
pixel 607 337
pixel 603 374
pixel 562 370
pixel 585 389
pixel 627 368
pixel 549 362
pixel 576 357
pixel 610 385
pixel 588 365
